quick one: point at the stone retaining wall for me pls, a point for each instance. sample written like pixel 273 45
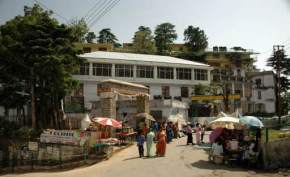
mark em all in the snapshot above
pixel 276 154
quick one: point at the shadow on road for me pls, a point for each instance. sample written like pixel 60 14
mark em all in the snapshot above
pixel 131 158
pixel 203 164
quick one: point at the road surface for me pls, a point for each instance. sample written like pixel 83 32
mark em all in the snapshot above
pixel 180 161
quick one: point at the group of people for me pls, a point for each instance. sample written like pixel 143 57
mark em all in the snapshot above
pixel 199 134
pixel 235 143
pixel 159 133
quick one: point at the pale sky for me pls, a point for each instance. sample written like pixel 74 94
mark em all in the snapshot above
pixel 252 24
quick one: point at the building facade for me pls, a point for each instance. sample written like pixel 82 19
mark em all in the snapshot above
pixel 230 75
pixel 263 92
pixel 170 80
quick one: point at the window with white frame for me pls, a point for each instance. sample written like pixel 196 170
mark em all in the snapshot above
pixel 84 69
pixel 122 70
pixel 165 72
pixel 100 69
pixel 145 71
pixel 200 74
pixel 183 73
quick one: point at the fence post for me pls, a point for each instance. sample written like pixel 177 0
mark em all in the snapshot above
pixel 85 153
pixel 267 135
pixel 59 154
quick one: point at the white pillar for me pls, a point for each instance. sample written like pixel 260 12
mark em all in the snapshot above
pixel 174 74
pixel 134 71
pixel 90 69
pixel 233 88
pixel 113 70
pixel 208 76
pixel 192 74
pixel 155 72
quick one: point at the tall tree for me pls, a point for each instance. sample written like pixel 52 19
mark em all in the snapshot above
pixel 195 39
pixel 281 66
pixel 165 34
pixel 38 52
pixel 90 37
pixel 106 36
pixel 143 41
pixel 79 29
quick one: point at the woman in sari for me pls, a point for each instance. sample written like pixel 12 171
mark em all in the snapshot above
pixel 197 133
pixel 161 143
pixel 150 143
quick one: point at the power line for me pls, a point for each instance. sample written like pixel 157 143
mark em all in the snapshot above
pixel 91 9
pixel 57 14
pixel 97 11
pixel 108 9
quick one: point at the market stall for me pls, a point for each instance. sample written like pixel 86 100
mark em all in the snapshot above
pixel 102 135
pixel 233 141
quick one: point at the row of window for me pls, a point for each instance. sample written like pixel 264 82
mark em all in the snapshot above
pixel 122 70
pixel 165 91
pixel 184 91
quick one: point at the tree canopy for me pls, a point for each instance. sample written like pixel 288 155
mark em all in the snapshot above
pixel 165 34
pixel 143 41
pixel 79 29
pixel 281 66
pixel 195 39
pixel 37 58
pixel 90 37
pixel 106 36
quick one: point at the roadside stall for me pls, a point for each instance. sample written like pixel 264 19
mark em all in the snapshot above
pixel 231 141
pixel 102 133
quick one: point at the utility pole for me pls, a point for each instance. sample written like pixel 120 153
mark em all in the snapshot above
pixel 278 57
pixel 32 94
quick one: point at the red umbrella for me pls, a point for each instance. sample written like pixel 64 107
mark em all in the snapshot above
pixel 215 134
pixel 107 122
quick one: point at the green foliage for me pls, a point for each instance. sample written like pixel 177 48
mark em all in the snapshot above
pixel 38 52
pixel 284 67
pixel 201 89
pixel 90 37
pixel 193 56
pixel 143 41
pixel 12 130
pixel 79 29
pixel 106 36
pixel 195 39
pixel 165 34
pixel 286 103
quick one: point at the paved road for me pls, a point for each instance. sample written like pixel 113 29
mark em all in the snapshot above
pixel 180 161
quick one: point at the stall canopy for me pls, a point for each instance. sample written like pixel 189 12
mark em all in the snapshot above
pixel 251 121
pixel 145 115
pixel 225 122
pixel 107 122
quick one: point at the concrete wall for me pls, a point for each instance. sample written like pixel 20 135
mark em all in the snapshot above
pixel 276 154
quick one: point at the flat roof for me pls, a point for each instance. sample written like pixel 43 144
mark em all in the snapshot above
pixel 140 57
pixel 124 83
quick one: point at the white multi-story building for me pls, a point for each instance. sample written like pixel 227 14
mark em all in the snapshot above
pixel 263 92
pixel 169 79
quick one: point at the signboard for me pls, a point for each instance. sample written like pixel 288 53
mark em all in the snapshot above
pixel 33 146
pixel 70 137
pixel 212 97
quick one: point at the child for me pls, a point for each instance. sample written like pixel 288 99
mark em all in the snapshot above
pixel 140 143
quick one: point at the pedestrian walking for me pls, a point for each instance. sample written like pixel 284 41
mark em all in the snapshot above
pixel 140 143
pixel 169 133
pixel 189 135
pixel 202 133
pixel 197 133
pixel 150 143
pixel 161 143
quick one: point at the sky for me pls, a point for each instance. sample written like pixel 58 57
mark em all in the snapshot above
pixel 251 24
